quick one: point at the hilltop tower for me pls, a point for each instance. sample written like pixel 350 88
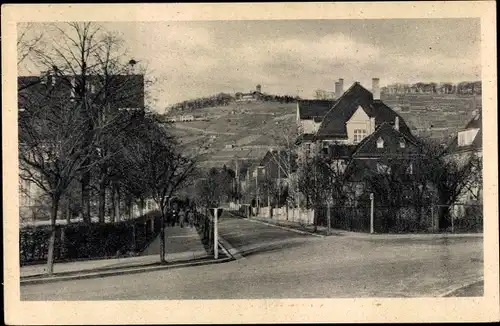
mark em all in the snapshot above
pixel 258 88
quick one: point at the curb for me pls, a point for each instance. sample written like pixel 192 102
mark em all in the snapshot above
pixel 230 250
pixel 379 236
pixel 287 228
pixel 123 271
pixel 454 289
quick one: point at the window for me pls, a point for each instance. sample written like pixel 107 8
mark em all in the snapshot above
pixel 380 143
pixel 462 138
pixel 359 134
pixel 53 79
pixel 402 143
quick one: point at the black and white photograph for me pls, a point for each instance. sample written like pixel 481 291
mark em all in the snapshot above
pixel 225 159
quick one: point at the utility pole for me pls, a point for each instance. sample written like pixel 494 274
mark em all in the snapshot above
pixel 216 233
pixel 237 184
pixel 371 212
pixel 328 219
pixel 279 180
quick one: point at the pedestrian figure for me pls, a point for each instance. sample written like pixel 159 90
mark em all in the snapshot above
pixel 174 217
pixel 191 218
pixel 182 216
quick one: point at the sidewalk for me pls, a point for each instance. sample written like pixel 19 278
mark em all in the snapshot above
pixel 182 245
pixel 322 230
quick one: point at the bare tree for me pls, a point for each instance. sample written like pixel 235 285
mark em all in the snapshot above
pixel 452 175
pixel 285 158
pixel 155 158
pixel 313 184
pixel 95 63
pixel 28 41
pixel 52 152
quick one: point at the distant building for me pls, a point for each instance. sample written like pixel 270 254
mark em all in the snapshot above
pixel 251 96
pixel 187 117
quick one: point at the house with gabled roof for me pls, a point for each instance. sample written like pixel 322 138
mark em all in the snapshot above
pixel 465 145
pixel 468 140
pixel 310 114
pixel 373 153
pixel 349 119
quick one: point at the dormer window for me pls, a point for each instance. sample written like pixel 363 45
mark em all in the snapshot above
pixel 380 143
pixel 466 137
pixel 461 138
pixel 402 143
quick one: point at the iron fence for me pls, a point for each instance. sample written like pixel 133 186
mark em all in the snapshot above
pixel 459 218
pixel 455 218
pixel 205 226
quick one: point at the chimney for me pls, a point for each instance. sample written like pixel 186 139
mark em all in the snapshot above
pixel 396 123
pixel 341 83
pixel 376 88
pixel 338 92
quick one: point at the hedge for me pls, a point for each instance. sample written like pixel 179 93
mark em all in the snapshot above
pixel 89 241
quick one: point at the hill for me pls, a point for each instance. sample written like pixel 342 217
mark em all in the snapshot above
pixel 246 130
pixel 438 116
pixel 239 130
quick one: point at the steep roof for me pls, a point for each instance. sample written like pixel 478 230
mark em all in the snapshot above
pixel 304 137
pixel 272 158
pixel 310 109
pixel 475 122
pixel 334 122
pixel 341 151
pixel 477 143
pixel 392 139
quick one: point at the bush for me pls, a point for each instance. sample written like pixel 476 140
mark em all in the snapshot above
pixel 89 241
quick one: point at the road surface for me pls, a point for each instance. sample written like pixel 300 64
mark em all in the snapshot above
pixel 282 264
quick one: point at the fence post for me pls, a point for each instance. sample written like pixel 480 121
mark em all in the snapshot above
pixel 371 213
pixel 452 220
pixel 216 234
pixel 432 219
pixel 328 217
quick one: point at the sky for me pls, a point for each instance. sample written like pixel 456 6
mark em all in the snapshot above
pixel 295 57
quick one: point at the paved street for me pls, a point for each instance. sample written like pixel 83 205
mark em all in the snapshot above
pixel 282 264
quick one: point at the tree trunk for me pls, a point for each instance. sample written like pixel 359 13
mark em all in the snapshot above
pixel 129 208
pixel 102 202
pixel 134 237
pixel 113 204
pixel 68 213
pixel 162 236
pixel 116 205
pixel 141 207
pixel 52 239
pixel 86 198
